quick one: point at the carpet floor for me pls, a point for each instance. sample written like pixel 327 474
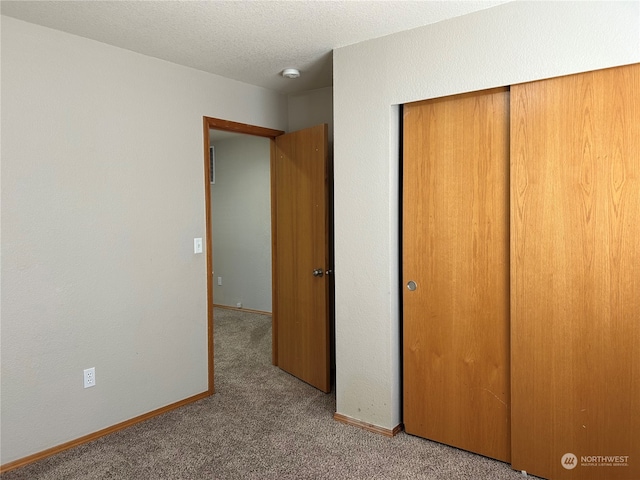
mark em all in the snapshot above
pixel 262 423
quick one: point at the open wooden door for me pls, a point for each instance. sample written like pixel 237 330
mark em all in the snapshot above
pixel 301 263
pixel 456 271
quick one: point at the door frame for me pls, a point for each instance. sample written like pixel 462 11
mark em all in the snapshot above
pixel 210 123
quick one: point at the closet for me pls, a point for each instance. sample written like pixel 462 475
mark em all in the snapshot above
pixel 456 253
pixel 521 270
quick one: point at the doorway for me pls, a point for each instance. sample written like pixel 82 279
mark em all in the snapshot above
pixel 226 126
pixel 241 217
pixel 302 264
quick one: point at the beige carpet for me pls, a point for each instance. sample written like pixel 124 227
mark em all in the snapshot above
pixel 261 424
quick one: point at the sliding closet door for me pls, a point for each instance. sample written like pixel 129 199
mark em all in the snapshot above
pixel 456 271
pixel 575 298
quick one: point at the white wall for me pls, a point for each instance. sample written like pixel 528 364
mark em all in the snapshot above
pixel 311 108
pixel 102 195
pixel 241 222
pixel 504 45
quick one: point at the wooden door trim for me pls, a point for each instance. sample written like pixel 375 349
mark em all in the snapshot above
pixel 229 126
pixel 210 123
pixel 274 277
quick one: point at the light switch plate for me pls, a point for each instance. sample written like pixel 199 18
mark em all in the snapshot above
pixel 197 245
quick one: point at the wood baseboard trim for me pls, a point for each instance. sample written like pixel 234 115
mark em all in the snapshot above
pixel 368 426
pixel 100 433
pixel 241 309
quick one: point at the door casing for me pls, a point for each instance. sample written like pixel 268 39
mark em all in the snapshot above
pixel 209 123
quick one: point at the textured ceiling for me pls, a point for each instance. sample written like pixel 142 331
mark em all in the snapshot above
pixel 250 41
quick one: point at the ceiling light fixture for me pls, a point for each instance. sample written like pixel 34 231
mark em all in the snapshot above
pixel 291 73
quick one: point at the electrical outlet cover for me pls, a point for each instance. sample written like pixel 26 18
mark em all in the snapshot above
pixel 89 377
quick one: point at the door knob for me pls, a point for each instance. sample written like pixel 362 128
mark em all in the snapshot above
pixel 318 272
pixel 411 285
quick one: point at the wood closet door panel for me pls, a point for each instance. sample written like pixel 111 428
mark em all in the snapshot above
pixel 456 249
pixel 575 270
